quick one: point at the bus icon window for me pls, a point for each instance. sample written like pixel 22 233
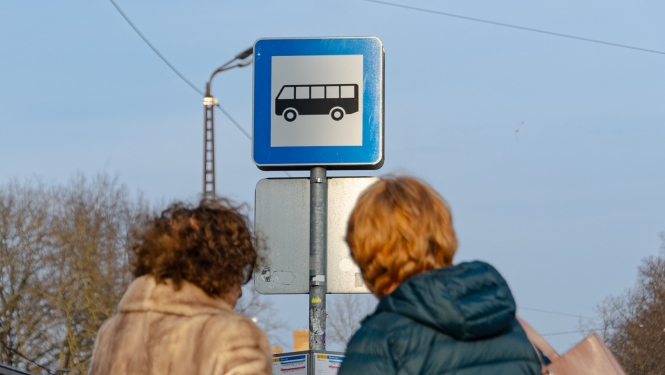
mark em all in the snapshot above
pixel 334 100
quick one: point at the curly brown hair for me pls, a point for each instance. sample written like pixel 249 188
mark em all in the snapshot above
pixel 212 246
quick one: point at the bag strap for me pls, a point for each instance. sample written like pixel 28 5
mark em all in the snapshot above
pixel 543 368
pixel 538 340
pixel 527 328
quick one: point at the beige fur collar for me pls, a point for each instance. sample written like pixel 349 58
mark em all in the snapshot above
pixel 145 295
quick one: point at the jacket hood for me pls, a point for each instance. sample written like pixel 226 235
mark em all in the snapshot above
pixel 469 301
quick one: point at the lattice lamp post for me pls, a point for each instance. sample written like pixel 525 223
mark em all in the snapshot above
pixel 209 102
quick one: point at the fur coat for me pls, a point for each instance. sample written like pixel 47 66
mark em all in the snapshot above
pixel 161 331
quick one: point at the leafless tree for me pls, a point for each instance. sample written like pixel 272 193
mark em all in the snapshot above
pixel 88 261
pixel 63 268
pixel 633 324
pixel 345 313
pixel 25 319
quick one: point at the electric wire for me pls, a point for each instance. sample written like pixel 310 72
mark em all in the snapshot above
pixel 173 68
pixel 578 331
pixel 234 121
pixel 241 129
pixel 556 313
pixel 523 28
pixel 155 49
pixel 562 333
pixel 177 72
pixel 26 358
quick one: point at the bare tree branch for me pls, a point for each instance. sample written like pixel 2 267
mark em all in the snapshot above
pixel 262 311
pixel 634 323
pixel 63 268
pixel 345 314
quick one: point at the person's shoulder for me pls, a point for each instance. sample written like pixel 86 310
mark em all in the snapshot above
pixel 368 351
pixel 108 326
pixel 236 344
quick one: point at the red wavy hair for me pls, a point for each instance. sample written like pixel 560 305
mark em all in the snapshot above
pixel 399 227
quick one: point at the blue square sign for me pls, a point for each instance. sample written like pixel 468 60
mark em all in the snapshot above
pixel 318 102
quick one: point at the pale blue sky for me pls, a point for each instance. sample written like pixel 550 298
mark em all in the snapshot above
pixel 566 209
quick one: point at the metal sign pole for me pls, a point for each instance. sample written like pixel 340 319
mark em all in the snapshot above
pixel 318 236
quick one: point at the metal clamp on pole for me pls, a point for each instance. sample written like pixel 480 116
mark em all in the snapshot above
pixel 318 238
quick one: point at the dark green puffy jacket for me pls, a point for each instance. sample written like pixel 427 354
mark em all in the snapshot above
pixel 455 320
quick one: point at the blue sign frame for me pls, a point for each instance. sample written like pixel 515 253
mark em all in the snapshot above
pixel 369 155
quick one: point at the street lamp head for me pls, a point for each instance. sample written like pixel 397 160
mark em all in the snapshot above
pixel 241 56
pixel 245 54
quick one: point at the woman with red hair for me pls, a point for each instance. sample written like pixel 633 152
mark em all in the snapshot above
pixel 433 317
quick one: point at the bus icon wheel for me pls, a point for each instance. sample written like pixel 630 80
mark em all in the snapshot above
pixel 290 114
pixel 337 113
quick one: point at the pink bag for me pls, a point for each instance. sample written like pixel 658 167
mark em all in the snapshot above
pixel 589 357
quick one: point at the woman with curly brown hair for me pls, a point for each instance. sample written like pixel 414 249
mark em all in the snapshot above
pixel 177 316
pixel 433 317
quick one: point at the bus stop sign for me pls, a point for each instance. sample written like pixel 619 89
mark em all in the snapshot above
pixel 318 102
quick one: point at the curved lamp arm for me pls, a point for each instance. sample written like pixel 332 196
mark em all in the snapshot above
pixel 241 56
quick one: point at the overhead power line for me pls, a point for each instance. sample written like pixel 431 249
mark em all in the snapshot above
pixel 555 313
pixel 173 68
pixel 154 49
pixel 563 333
pixel 569 36
pixel 182 76
pixel 234 121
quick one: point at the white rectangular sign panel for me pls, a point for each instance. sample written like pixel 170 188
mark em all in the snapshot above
pixel 282 219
